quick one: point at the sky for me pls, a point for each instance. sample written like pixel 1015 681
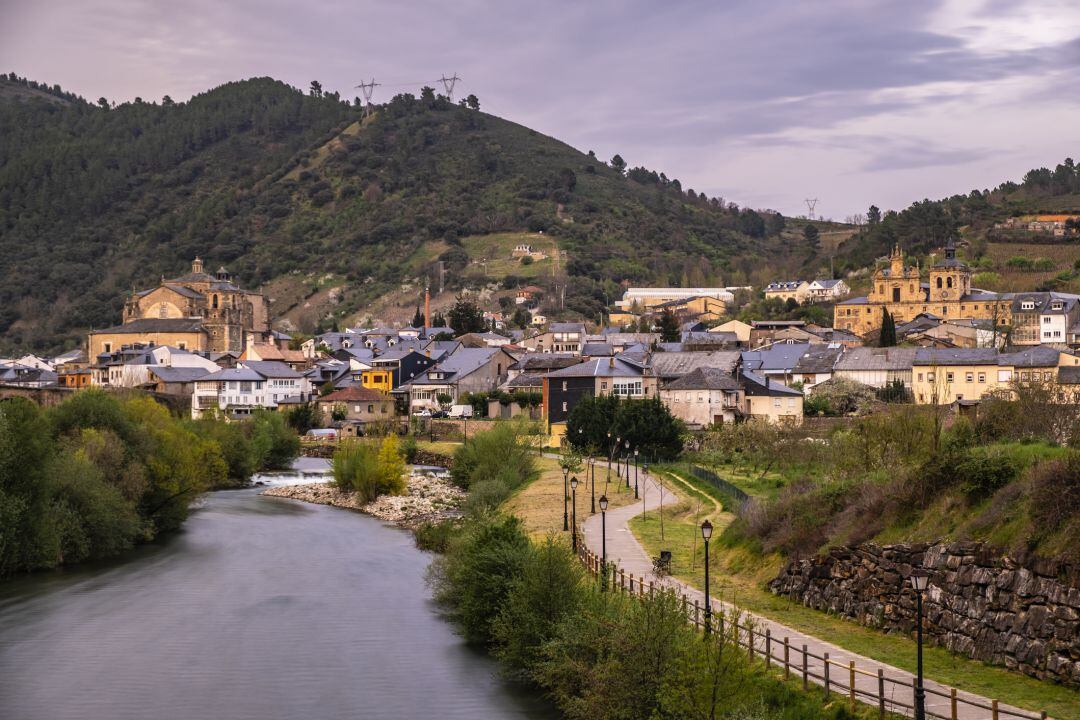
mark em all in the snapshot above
pixel 761 102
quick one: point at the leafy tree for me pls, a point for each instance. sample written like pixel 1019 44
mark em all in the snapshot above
pixel 274 443
pixel 618 164
pixel 315 90
pixel 668 325
pixel 304 416
pixel 472 102
pixel 522 318
pixel 466 317
pixel 391 466
pixel 811 235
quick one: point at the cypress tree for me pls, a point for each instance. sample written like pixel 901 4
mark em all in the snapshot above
pixel 887 338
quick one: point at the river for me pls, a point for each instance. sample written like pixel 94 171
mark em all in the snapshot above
pixel 260 608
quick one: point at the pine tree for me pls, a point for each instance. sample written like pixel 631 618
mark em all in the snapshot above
pixel 887 337
pixel 668 325
pixel 418 318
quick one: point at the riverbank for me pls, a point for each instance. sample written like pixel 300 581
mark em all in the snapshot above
pixel 430 499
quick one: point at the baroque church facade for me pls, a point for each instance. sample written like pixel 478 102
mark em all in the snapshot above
pixel 900 290
pixel 197 311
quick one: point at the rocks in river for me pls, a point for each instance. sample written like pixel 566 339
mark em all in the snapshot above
pixel 429 498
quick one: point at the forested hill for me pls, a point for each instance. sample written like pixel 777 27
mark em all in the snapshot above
pixel 276 183
pixel 929 224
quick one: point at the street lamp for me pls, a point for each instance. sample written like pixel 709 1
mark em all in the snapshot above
pixel 573 492
pixel 565 493
pixel 603 543
pixel 626 459
pixel 635 473
pixel 611 456
pixel 645 474
pixel 706 533
pixel 919 581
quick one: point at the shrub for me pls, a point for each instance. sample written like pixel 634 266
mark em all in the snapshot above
pixel 474 577
pixel 369 471
pixel 502 452
pixel 435 536
pixel 982 471
pixel 273 443
pixel 1055 492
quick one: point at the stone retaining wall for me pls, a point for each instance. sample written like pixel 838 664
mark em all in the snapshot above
pixel 979 603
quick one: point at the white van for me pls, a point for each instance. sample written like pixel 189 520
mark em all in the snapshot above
pixel 461 411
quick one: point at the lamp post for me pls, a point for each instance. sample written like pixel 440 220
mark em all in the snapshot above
pixel 592 484
pixel 919 581
pixel 645 474
pixel 635 473
pixel 603 543
pixel 706 533
pixel 626 462
pixel 611 456
pixel 565 493
pixel 573 525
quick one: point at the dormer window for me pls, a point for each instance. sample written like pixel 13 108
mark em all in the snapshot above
pixel 1027 305
pixel 1056 305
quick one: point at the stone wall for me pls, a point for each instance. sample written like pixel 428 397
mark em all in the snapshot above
pixel 979 603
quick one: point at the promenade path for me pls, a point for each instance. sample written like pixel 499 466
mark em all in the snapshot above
pixel 624 550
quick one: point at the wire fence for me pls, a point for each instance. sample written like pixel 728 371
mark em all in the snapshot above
pixel 719 483
pixel 871 687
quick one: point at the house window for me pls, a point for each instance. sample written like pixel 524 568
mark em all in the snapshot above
pixel 603 386
pixel 1046 319
pixel 920 377
pixel 1025 376
pixel 564 386
pixel 1004 376
pixel 969 377
pixel 949 377
pixel 776 403
pixel 371 408
pixel 982 377
pixel 930 377
pixel 108 347
pixel 564 407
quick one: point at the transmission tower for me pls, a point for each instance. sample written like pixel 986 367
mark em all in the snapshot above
pixel 448 85
pixel 368 89
pixel 810 205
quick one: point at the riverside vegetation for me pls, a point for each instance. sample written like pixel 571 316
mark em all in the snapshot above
pixel 99 473
pixel 529 602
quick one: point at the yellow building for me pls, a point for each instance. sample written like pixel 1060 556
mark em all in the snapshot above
pixel 899 289
pixel 196 311
pixel 947 375
pixel 381 379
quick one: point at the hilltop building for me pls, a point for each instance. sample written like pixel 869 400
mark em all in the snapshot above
pixel 197 312
pixel 900 290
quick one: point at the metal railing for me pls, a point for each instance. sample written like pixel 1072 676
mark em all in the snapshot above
pixel 719 483
pixel 876 689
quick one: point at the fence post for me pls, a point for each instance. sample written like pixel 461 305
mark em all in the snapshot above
pixel 768 648
pixel 631 584
pixel 622 579
pixel 881 693
pixel 805 680
pixel 851 683
pixel 994 709
pixel 697 607
pixel 750 642
pixel 652 588
pixel 952 703
pixel 826 674
pixel 787 667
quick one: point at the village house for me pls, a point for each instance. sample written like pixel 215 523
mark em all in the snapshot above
pixel 238 392
pixel 770 401
pixel 359 405
pixel 563 389
pixel 741 330
pixel 785 290
pixel 944 376
pixel 705 396
pixel 815 366
pixel 394 367
pixel 559 338
pixel 1043 317
pixel 876 367
pixel 466 370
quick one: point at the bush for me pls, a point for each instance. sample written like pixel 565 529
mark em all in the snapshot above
pixel 477 572
pixel 361 467
pixel 435 536
pixel 273 443
pixel 503 452
pixel 1055 492
pixel 982 471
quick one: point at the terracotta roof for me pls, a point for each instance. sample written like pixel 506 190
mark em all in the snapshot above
pixel 354 393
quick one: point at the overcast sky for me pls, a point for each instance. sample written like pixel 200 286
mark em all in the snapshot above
pixel 762 102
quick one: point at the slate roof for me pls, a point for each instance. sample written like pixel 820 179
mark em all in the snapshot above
pixel 546 361
pixel 155 325
pixel 597 349
pixel 600 367
pixel 460 363
pixel 1044 301
pixel 778 358
pixel 670 365
pixel 178 374
pixel 1037 356
pixel 783 285
pixel 817 359
pixel 232 374
pixel 758 385
pixel 567 327
pixel 865 358
pixel 956 356
pixel 705 378
pixel 272 368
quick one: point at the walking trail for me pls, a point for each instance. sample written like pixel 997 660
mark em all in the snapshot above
pixel 624 550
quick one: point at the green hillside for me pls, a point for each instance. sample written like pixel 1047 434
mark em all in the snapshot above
pixel 294 191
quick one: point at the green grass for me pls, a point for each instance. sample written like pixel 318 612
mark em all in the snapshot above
pixel 761 484
pixel 739 575
pixel 496 248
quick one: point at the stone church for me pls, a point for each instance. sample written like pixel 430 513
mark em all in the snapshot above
pixel 900 290
pixel 197 311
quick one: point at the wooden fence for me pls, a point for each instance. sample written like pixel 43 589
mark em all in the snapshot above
pixel 873 688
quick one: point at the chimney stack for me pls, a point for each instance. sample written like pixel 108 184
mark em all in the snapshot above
pixel 427 307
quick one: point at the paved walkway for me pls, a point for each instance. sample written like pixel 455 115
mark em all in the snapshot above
pixel 626 553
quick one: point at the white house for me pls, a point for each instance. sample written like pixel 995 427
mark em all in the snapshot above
pixel 239 391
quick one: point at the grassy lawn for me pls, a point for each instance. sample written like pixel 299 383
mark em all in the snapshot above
pixel 757 484
pixel 738 576
pixel 540 503
pixel 443 447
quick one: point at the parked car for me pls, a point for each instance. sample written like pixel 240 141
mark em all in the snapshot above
pixel 425 413
pixel 440 414
pixel 461 411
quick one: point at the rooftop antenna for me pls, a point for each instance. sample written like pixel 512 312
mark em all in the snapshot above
pixel 810 205
pixel 448 85
pixel 368 89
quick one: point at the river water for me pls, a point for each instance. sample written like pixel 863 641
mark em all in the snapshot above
pixel 260 608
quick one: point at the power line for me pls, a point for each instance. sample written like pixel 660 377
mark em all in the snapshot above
pixel 368 89
pixel 448 85
pixel 810 205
